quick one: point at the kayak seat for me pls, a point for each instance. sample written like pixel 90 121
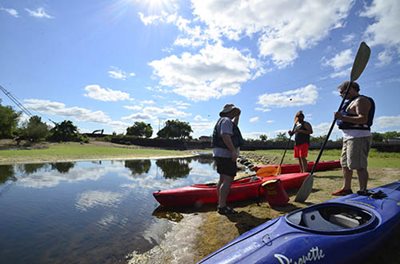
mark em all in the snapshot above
pixel 315 221
pixel 344 221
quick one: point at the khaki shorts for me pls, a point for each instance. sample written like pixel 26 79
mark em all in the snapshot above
pixel 355 153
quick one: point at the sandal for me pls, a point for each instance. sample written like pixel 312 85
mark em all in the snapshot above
pixel 226 210
pixel 342 192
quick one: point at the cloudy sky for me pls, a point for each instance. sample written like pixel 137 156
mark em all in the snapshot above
pixel 105 64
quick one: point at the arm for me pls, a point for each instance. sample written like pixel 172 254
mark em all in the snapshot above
pixel 228 142
pixel 236 119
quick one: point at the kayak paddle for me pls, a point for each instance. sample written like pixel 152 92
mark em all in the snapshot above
pixel 278 171
pixel 359 64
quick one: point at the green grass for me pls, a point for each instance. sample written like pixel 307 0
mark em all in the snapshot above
pixel 72 151
pixel 376 159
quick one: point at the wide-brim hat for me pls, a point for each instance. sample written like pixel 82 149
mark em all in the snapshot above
pixel 228 108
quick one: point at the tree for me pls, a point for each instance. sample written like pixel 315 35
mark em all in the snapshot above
pixel 263 137
pixel 175 129
pixel 64 131
pixel 281 137
pixel 391 134
pixel 140 129
pixel 35 129
pixel 8 121
pixel 377 137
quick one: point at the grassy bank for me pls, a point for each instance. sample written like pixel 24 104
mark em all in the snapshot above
pixel 376 159
pixel 76 151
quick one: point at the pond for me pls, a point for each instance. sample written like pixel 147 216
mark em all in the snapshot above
pixel 88 212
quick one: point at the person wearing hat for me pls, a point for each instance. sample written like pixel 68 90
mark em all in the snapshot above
pixel 355 119
pixel 302 132
pixel 226 142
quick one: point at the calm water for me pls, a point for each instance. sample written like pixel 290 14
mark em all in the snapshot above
pixel 88 212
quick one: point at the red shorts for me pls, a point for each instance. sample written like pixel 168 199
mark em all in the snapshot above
pixel 301 151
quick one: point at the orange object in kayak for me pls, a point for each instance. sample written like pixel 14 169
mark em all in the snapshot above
pixel 265 170
pixel 241 190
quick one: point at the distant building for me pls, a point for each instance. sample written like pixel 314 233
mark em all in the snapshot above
pixel 393 140
pixel 205 138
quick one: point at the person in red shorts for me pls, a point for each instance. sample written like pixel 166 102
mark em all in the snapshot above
pixel 302 132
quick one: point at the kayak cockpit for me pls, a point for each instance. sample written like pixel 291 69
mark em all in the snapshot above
pixel 332 218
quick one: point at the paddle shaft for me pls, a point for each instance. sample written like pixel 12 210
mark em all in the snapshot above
pixel 330 131
pixel 287 145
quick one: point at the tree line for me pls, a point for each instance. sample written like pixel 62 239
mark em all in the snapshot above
pixel 35 130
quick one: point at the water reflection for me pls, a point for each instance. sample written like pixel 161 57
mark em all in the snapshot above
pixel 62 167
pixel 174 168
pixel 6 173
pixel 138 167
pixel 88 212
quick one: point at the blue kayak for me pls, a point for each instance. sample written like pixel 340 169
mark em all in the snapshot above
pixel 341 230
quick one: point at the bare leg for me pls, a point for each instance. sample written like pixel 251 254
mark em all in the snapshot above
pixel 300 164
pixel 347 174
pixel 363 178
pixel 304 164
pixel 224 189
pixel 219 184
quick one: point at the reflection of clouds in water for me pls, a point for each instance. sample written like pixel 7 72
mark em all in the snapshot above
pixel 176 246
pixel 111 219
pixel 92 199
pixel 200 173
pixel 43 179
pixel 156 231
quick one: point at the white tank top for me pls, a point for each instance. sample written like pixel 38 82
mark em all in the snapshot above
pixel 355 133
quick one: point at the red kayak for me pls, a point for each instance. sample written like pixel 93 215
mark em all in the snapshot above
pixel 241 190
pixel 262 170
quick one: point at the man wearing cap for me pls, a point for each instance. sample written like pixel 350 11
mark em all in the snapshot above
pixel 226 142
pixel 355 120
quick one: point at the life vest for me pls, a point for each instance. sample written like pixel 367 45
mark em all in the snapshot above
pixel 348 125
pixel 217 142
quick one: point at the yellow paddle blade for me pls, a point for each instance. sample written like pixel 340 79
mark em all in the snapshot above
pixel 269 170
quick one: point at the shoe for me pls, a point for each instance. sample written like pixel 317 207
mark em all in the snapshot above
pixel 342 192
pixel 226 210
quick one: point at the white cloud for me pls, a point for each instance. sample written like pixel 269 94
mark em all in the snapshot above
pixel 213 73
pixel 302 96
pixel 39 13
pixel 10 11
pixel 385 123
pixel 199 118
pixel 96 92
pixel 384 58
pixel 283 34
pixel 154 113
pixel 57 108
pixel 385 30
pixel 119 74
pixel 341 60
pixel 348 38
pixel 254 119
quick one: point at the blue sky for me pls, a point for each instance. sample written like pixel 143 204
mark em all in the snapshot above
pixel 106 64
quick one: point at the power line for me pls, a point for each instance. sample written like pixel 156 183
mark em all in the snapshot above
pixel 12 98
pixel 20 105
